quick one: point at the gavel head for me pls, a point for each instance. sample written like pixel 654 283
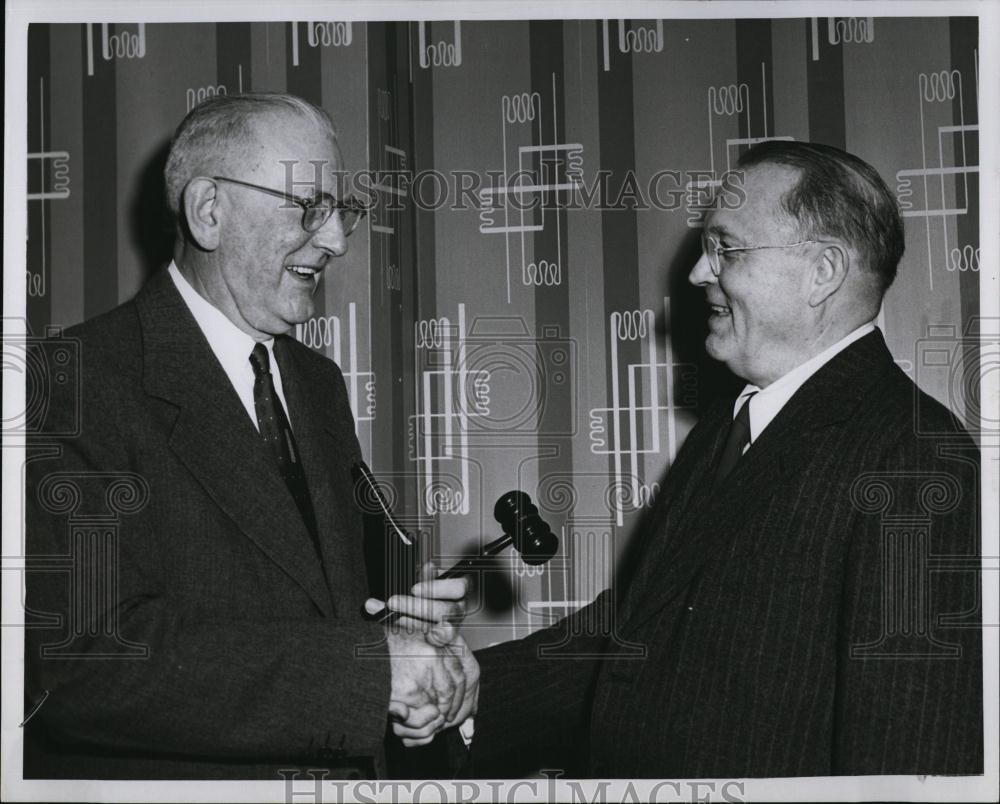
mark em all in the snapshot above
pixel 519 518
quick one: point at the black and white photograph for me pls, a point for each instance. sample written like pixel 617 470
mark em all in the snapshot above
pixel 501 401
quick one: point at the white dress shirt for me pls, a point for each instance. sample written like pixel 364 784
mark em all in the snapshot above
pixel 231 345
pixel 767 402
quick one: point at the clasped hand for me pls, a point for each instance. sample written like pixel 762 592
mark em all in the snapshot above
pixel 435 677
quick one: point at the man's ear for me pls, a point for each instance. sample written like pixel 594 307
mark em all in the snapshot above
pixel 199 202
pixel 829 273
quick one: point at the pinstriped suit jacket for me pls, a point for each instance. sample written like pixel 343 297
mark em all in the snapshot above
pixel 228 645
pixel 798 621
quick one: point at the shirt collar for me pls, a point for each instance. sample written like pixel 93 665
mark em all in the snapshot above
pixel 231 345
pixel 767 402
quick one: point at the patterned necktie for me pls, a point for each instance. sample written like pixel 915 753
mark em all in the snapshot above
pixel 736 441
pixel 277 434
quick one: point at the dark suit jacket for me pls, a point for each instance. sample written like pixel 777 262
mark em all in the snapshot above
pixel 818 614
pixel 184 626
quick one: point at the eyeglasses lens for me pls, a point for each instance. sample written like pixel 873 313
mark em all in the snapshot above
pixel 318 215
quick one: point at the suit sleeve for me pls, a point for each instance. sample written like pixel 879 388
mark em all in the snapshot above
pixel 135 673
pixel 909 676
pixel 535 697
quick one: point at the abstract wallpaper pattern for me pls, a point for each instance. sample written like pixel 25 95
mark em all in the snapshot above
pixel 496 336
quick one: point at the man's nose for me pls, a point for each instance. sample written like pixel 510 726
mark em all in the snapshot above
pixel 330 236
pixel 701 274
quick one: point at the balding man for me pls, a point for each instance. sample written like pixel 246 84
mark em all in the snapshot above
pixel 210 624
pixel 789 619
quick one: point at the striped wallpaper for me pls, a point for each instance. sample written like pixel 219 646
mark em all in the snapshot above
pixel 487 346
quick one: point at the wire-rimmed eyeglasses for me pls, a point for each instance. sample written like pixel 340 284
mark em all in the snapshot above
pixel 315 211
pixel 711 247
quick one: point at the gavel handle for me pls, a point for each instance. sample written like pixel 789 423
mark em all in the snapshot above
pixel 466 565
pixel 463 567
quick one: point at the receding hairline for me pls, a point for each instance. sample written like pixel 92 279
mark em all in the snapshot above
pixel 198 149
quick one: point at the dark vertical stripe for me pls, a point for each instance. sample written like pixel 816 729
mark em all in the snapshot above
pixel 825 79
pixel 306 81
pixel 232 56
pixel 620 250
pixel 754 68
pixel 380 322
pixel 422 128
pixel 400 244
pixel 388 122
pixel 40 180
pixel 964 36
pixel 100 180
pixel 424 278
pixel 552 324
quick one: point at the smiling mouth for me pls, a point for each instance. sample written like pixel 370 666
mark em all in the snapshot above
pixel 303 271
pixel 719 310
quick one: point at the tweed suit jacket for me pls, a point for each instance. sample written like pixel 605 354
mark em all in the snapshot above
pixel 789 622
pixel 202 636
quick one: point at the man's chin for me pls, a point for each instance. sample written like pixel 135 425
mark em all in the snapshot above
pixel 299 313
pixel 286 324
pixel 717 347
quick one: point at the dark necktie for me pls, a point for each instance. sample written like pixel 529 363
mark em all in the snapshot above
pixel 277 435
pixel 736 441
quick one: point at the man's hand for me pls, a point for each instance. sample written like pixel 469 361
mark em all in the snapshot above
pixel 436 607
pixel 425 680
pixel 435 677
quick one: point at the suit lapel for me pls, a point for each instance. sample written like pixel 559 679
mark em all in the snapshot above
pixel 215 439
pixel 702 528
pixel 327 450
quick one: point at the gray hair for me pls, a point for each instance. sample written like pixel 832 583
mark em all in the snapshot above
pixel 214 129
pixel 841 195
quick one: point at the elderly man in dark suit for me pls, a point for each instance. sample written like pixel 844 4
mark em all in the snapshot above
pixel 783 619
pixel 209 624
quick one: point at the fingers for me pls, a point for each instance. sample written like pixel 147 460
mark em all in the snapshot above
pixel 374 606
pixel 419 718
pixel 457 675
pixel 441 634
pixel 435 680
pixel 446 589
pixel 421 727
pixel 399 710
pixel 426 609
pixel 470 673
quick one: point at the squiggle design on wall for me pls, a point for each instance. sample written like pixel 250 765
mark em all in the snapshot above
pixel 441 53
pixel 634 39
pixel 436 424
pixel 937 91
pixel 322 34
pixel 726 101
pixel 560 169
pixel 53 184
pixel 630 427
pixel 323 334
pixel 197 95
pixel 843 30
pixel 485 385
pixel 121 45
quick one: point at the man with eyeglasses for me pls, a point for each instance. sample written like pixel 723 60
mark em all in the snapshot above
pixel 806 593
pixel 217 631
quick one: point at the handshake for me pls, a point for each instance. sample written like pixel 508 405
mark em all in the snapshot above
pixel 435 677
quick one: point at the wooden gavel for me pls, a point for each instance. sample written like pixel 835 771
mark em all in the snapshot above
pixel 522 527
